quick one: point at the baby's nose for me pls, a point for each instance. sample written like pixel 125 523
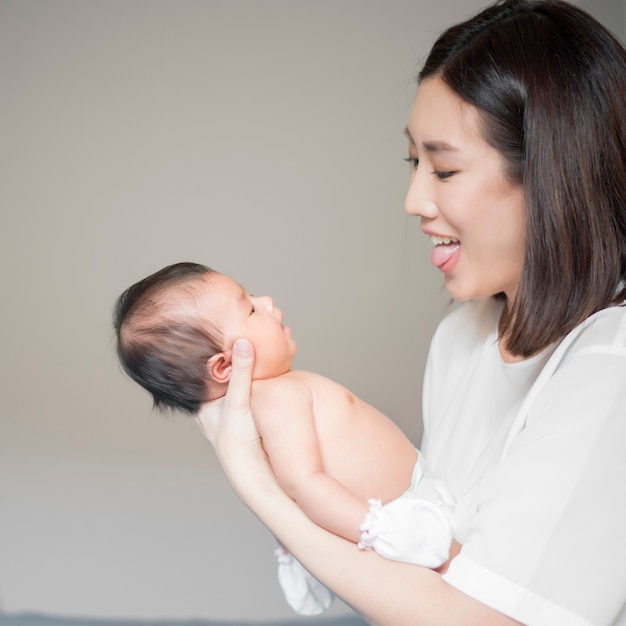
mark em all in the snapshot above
pixel 268 303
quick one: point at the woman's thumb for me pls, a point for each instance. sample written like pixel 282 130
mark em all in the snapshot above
pixel 241 375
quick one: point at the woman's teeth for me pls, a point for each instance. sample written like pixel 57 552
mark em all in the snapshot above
pixel 442 240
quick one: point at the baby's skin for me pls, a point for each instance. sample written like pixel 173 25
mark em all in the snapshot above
pixel 330 450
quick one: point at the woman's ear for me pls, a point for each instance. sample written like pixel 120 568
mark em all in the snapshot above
pixel 219 367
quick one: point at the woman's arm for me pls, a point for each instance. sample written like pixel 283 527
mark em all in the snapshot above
pixel 385 592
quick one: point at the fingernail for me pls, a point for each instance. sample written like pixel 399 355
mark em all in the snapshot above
pixel 242 347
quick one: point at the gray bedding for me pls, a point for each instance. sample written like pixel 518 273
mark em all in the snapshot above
pixel 44 620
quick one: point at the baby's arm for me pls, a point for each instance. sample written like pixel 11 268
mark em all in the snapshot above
pixel 284 414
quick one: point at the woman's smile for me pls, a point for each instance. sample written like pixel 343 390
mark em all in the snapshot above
pixel 472 213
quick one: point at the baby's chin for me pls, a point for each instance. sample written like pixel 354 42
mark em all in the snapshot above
pixel 262 372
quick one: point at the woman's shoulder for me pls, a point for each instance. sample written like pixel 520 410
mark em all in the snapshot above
pixel 605 330
pixel 477 320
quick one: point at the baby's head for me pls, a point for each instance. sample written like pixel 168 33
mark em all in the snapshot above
pixel 175 331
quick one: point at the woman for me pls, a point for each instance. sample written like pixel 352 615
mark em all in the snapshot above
pixel 517 141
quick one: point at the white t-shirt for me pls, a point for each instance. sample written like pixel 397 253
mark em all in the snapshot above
pixel 539 472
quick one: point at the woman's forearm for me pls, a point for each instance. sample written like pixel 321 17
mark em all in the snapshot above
pixel 385 592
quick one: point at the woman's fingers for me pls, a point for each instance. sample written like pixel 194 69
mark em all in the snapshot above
pixel 236 418
pixel 230 416
pixel 208 418
pixel 238 395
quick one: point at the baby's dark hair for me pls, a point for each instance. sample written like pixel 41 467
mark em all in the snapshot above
pixel 160 344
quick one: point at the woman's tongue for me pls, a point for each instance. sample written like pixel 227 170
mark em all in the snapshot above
pixel 442 252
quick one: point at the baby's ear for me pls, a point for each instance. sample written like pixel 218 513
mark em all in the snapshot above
pixel 219 367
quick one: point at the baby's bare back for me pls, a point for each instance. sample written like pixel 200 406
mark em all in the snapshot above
pixel 360 446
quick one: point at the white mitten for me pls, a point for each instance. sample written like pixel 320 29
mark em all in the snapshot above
pixel 304 593
pixel 414 528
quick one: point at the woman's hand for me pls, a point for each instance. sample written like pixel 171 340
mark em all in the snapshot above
pixel 228 424
pixel 230 415
pixel 384 591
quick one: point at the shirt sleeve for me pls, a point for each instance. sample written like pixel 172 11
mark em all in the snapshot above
pixel 546 543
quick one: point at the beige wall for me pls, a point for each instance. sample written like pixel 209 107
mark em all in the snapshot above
pixel 262 138
pixel 609 12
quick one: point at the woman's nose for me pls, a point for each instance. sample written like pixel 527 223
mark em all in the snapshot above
pixel 419 201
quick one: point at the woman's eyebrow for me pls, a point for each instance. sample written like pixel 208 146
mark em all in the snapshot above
pixel 439 146
pixel 432 146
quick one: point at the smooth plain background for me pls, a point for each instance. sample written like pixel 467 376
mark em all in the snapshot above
pixel 263 138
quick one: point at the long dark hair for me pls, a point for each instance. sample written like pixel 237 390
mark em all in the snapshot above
pixel 550 84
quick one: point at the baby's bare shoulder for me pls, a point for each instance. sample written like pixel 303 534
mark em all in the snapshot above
pixel 287 388
pixel 311 379
pixel 326 392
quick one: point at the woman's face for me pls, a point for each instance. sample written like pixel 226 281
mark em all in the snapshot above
pixel 472 213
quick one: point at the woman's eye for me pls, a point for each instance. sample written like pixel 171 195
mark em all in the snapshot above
pixel 443 175
pixel 412 162
pixel 252 309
